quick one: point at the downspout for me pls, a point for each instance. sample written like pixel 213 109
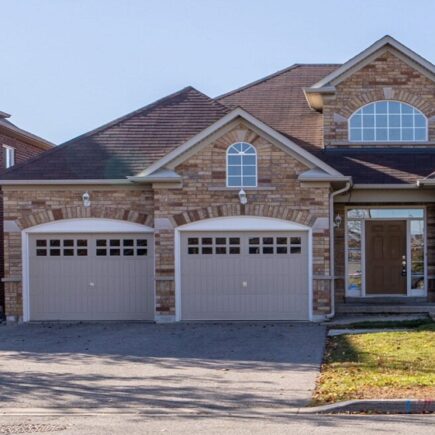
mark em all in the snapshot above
pixel 332 244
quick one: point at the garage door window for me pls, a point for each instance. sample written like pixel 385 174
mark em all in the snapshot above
pixel 275 245
pixel 121 247
pixel 58 248
pixel 213 245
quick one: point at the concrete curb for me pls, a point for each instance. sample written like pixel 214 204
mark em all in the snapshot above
pixel 376 406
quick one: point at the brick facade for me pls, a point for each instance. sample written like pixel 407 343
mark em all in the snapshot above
pixel 29 206
pixel 202 195
pixel 387 77
pixel 202 192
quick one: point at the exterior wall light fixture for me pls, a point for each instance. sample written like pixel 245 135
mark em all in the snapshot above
pixel 243 198
pixel 86 199
pixel 337 221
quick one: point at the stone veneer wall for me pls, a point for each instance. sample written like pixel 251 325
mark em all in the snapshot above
pixel 33 205
pixel 387 77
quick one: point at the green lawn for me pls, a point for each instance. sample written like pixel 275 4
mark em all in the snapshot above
pixel 396 364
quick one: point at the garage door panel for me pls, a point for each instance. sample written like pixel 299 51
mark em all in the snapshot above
pixel 91 277
pixel 265 277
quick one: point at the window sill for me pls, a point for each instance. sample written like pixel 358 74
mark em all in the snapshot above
pixel 236 189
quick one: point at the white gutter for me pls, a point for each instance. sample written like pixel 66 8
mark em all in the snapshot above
pixel 426 182
pixel 332 244
pixel 386 186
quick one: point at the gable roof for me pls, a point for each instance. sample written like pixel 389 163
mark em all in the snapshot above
pixel 287 144
pixel 357 61
pixel 326 85
pixel 126 145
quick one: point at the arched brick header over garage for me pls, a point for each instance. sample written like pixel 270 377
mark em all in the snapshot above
pixel 302 217
pixel 57 214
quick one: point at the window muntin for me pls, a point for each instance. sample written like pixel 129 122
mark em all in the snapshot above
pixel 241 165
pixel 9 156
pixel 121 247
pixel 213 245
pixel 59 247
pixel 388 121
pixel 275 245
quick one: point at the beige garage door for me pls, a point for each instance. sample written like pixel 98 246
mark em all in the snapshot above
pixel 244 276
pixel 91 277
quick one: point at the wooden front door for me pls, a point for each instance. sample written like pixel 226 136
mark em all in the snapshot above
pixel 385 252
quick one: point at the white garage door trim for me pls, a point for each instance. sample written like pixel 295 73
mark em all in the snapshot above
pixel 240 223
pixel 71 226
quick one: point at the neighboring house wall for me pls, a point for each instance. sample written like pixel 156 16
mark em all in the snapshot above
pixel 23 152
pixel 29 206
pixel 387 77
pixel 204 195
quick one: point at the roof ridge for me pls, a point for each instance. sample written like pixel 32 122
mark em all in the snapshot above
pixel 101 128
pixel 319 64
pixel 214 100
pixel 256 82
pixel 273 75
pixel 129 115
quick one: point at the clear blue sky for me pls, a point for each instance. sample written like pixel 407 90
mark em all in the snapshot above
pixel 68 66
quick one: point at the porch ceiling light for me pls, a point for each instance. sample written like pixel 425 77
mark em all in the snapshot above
pixel 86 199
pixel 242 196
pixel 337 221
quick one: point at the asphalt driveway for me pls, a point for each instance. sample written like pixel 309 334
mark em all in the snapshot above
pixel 167 368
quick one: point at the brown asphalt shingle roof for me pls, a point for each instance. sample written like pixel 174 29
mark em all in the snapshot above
pixel 129 144
pixel 279 101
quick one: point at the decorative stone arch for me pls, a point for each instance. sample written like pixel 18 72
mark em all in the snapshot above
pixel 58 214
pixel 387 93
pixel 303 217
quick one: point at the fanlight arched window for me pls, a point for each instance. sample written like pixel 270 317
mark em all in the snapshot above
pixel 387 121
pixel 241 165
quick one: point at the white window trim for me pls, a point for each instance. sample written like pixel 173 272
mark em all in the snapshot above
pixel 9 160
pixel 71 226
pixel 409 291
pixel 387 141
pixel 241 223
pixel 241 176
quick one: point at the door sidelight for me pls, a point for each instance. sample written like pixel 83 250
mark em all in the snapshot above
pixel 403 265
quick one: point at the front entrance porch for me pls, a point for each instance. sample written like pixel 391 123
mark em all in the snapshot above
pixel 385 253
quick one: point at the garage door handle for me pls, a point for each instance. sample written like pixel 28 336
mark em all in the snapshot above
pixel 91 284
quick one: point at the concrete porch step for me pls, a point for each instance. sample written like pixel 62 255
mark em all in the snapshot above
pixel 362 308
